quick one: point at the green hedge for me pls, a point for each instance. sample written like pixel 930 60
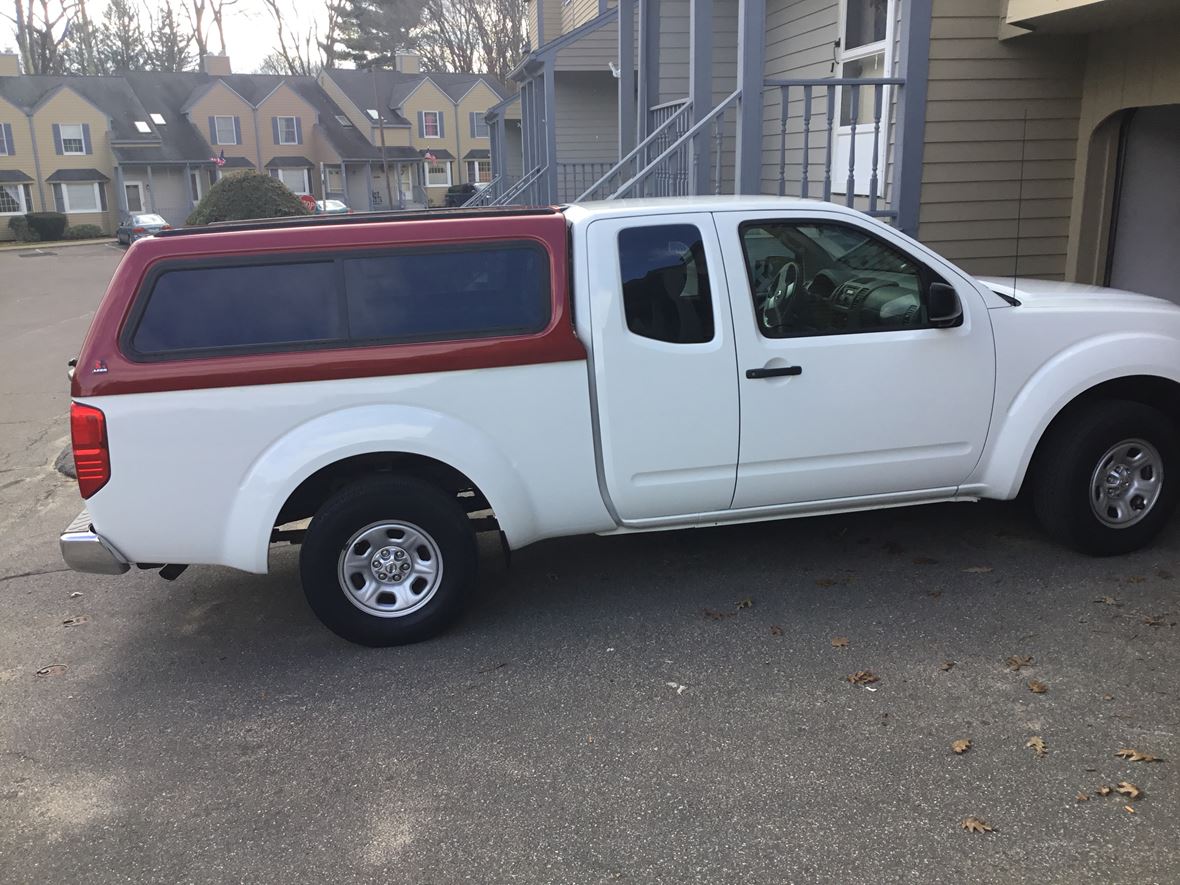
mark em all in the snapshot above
pixel 83 232
pixel 244 196
pixel 19 225
pixel 48 225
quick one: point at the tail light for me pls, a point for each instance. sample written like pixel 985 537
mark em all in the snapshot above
pixel 139 230
pixel 92 458
pixel 166 227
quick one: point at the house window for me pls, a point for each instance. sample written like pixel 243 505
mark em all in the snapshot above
pixel 431 128
pixel 5 147
pixel 81 196
pixel 479 171
pixel 194 186
pixel 438 173
pixel 12 199
pixel 864 55
pixel 479 125
pixel 295 179
pixel 134 192
pixel 72 140
pixel 333 180
pixel 225 129
pixel 288 133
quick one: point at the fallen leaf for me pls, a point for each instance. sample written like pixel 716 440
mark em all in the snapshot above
pixel 1134 579
pixel 676 685
pixel 863 677
pixel 1104 790
pixel 1155 620
pixel 975 825
pixel 75 594
pixel 946 665
pixel 52 670
pixel 1036 743
pixel 1108 697
pixel 776 630
pixel 978 570
pixel 1136 756
pixel 1108 600
pixel 1083 797
pixel 1129 790
pixel 1128 809
pixel 925 560
pixel 75 621
pixel 961 746
pixel 1037 687
pixel 716 615
pixel 746 603
pixel 1015 662
pixel 839 642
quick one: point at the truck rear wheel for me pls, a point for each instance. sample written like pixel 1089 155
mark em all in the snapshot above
pixel 1107 479
pixel 388 561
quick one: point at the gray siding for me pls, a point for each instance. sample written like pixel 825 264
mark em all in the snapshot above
pixel 980 89
pixel 587 117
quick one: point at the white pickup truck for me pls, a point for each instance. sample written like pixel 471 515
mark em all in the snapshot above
pixel 401 381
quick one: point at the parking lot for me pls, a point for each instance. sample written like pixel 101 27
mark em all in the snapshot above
pixel 646 708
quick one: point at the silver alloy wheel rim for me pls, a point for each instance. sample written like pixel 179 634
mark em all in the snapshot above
pixel 390 569
pixel 1126 483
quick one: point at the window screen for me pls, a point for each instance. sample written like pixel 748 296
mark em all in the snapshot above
pixel 234 307
pixel 666 283
pixel 459 294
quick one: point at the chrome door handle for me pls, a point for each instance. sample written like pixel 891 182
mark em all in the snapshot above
pixel 774 373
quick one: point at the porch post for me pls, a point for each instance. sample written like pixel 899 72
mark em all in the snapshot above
pixel 914 51
pixel 627 76
pixel 401 196
pixel 700 89
pixel 151 188
pixel 550 189
pixel 188 187
pixel 369 184
pixel 121 191
pixel 751 70
pixel 648 87
pixel 344 180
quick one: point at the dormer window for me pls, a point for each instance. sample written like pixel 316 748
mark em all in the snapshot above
pixel 158 119
pixel 372 112
pixel 142 128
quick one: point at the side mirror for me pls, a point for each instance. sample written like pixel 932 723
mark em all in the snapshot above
pixel 943 308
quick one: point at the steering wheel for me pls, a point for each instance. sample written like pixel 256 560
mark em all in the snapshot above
pixel 777 309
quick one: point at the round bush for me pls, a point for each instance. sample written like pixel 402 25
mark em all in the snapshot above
pixel 244 196
pixel 84 232
pixel 48 225
pixel 21 232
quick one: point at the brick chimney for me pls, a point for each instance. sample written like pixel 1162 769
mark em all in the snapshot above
pixel 407 63
pixel 9 64
pixel 217 65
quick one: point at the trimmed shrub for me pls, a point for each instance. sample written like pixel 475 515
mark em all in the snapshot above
pixel 48 225
pixel 21 232
pixel 84 232
pixel 246 196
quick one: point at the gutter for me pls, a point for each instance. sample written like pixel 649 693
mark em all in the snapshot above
pixel 36 162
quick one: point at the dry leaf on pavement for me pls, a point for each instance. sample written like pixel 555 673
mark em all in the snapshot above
pixel 1135 756
pixel 75 621
pixel 1108 600
pixel 1156 620
pixel 863 677
pixel 946 665
pixel 1129 790
pixel 776 630
pixel 746 603
pixel 1083 797
pixel 1104 790
pixel 716 615
pixel 978 570
pixel 975 825
pixel 1128 809
pixel 1015 662
pixel 1036 743
pixel 961 746
pixel 1037 687
pixel 839 642
pixel 52 670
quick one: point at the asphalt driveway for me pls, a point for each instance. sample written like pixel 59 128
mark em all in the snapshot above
pixel 651 708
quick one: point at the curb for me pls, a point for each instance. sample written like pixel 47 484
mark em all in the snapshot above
pixel 8 246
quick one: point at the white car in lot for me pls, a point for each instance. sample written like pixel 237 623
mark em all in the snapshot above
pixel 401 381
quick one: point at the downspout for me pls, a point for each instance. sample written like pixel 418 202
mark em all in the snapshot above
pixel 456 178
pixel 257 138
pixel 36 162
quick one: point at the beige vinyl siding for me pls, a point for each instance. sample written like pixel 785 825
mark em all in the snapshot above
pixel 577 13
pixel 221 101
pixel 552 21
pixel 22 161
pixel 979 91
pixel 285 102
pixel 67 106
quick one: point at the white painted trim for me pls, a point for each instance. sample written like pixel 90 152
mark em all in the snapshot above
pixel 306 178
pixel 142 191
pixel 61 128
pixel 20 198
pixel 426 173
pixel 233 129
pixel 438 116
pixel 65 198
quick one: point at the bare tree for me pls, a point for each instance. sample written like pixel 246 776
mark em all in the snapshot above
pixel 217 11
pixel 302 52
pixel 42 28
pixel 168 44
pixel 484 36
pixel 194 11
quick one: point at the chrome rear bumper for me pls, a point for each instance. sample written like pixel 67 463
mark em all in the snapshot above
pixel 86 551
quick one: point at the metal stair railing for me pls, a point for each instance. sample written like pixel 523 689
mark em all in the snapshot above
pixel 638 151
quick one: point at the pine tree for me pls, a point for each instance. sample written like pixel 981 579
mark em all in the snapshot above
pixel 169 47
pixel 372 31
pixel 121 42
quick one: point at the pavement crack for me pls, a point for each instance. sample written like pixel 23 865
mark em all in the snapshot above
pixel 47 571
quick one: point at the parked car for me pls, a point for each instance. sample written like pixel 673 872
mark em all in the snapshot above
pixel 613 367
pixel 458 194
pixel 331 207
pixel 139 225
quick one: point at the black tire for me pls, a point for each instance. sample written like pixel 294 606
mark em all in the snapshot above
pixel 397 499
pixel 1065 466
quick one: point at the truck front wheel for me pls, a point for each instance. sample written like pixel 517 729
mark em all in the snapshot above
pixel 388 561
pixel 1107 478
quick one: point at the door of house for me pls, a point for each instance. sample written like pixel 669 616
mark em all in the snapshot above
pixel 864 50
pixel 134 191
pixel 1143 257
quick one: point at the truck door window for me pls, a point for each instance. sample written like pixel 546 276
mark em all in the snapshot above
pixel 810 279
pixel 666 293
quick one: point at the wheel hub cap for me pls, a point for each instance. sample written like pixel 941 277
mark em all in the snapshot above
pixel 1126 483
pixel 390 569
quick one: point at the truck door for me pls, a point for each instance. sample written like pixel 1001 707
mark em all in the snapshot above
pixel 664 372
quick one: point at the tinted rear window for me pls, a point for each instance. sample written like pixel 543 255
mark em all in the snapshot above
pixel 343 299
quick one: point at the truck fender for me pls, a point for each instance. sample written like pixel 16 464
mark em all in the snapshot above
pixel 362 430
pixel 1061 379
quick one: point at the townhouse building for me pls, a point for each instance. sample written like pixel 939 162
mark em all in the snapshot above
pixel 1037 137
pixel 97 148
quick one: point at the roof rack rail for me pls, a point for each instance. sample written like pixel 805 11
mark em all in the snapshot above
pixel 298 221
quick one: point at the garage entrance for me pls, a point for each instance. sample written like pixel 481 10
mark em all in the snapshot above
pixel 1143 254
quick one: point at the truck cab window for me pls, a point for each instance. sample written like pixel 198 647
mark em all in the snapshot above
pixel 811 279
pixel 666 293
